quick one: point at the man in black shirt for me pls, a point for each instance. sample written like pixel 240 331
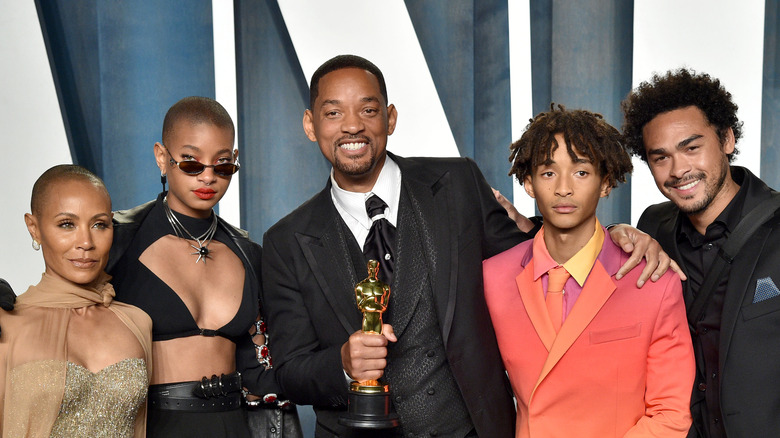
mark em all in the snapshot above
pixel 684 125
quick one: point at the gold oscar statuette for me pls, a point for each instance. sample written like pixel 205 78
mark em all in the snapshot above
pixel 369 405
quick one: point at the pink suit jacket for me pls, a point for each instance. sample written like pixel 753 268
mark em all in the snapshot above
pixel 621 365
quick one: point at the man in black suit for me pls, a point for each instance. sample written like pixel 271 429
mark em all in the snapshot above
pixel 442 361
pixel 685 126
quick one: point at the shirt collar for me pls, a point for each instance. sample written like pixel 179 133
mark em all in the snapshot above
pixel 387 187
pixel 579 266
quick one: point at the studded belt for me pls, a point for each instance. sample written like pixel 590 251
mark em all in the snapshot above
pixel 218 394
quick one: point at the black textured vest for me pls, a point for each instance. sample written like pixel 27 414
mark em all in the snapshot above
pixel 424 391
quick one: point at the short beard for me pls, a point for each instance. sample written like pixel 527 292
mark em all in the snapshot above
pixel 354 166
pixel 710 193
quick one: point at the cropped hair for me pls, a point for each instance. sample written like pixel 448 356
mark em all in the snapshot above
pixel 585 132
pixel 197 109
pixel 678 89
pixel 58 174
pixel 341 62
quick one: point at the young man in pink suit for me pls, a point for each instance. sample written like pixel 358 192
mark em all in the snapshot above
pixel 587 355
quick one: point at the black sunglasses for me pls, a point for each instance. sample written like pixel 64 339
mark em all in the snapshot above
pixel 196 167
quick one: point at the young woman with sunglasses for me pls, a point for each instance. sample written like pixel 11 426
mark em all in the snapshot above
pixel 73 361
pixel 197 277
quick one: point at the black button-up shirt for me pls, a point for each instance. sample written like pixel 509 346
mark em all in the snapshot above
pixel 698 253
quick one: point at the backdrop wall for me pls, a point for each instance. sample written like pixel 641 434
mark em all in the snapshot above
pixel 89 82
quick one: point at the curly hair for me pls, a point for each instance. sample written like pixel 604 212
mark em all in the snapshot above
pixel 582 130
pixel 679 89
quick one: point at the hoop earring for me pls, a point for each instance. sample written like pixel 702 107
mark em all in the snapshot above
pixel 35 245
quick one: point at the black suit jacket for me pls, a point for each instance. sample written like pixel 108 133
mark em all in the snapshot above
pixel 309 280
pixel 749 350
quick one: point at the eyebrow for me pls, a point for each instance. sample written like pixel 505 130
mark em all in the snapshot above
pixel 680 145
pixel 75 216
pixel 197 149
pixel 336 101
pixel 579 160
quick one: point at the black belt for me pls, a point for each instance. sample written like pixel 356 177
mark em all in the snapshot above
pixel 218 394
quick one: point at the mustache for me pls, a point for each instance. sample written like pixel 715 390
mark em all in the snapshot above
pixel 682 181
pixel 354 137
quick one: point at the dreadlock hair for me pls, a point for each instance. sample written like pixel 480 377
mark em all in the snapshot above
pixel 586 132
pixel 675 90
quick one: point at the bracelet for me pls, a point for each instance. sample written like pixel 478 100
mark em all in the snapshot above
pixel 262 352
pixel 268 399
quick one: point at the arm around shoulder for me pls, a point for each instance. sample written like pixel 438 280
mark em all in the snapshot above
pixel 499 231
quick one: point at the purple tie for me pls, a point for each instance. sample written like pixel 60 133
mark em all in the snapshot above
pixel 380 243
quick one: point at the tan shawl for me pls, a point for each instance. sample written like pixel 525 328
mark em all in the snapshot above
pixel 34 335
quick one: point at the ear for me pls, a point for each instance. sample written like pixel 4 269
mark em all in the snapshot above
pixel 606 189
pixel 308 125
pixel 730 143
pixel 529 186
pixel 32 226
pixel 161 157
pixel 392 117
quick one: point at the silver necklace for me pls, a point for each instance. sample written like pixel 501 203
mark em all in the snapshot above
pixel 202 250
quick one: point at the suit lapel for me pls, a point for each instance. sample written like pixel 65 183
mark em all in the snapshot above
pixel 533 299
pixel 738 287
pixel 429 196
pixel 597 290
pixel 326 251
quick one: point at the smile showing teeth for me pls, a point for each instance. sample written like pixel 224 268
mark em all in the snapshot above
pixel 690 185
pixel 352 146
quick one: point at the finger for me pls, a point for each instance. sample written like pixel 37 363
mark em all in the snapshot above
pixel 676 268
pixel 664 261
pixel 371 339
pixel 362 376
pixel 620 236
pixel 387 331
pixel 630 264
pixel 652 255
pixel 647 272
pixel 363 369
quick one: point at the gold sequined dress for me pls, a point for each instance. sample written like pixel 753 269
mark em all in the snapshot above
pixel 42 394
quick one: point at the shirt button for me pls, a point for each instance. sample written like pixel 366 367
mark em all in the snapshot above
pixel 430 353
pixel 702 386
pixel 387 256
pixel 273 429
pixel 431 391
pixel 398 399
pixel 714 375
pixel 704 330
pixel 708 246
pixel 716 420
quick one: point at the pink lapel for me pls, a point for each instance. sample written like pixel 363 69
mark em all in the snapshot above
pixel 533 299
pixel 597 290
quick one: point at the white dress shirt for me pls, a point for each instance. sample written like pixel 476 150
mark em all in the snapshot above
pixel 352 205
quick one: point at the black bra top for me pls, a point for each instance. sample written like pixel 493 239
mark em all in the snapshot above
pixel 137 285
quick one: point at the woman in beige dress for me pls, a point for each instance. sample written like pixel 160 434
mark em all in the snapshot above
pixel 73 362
